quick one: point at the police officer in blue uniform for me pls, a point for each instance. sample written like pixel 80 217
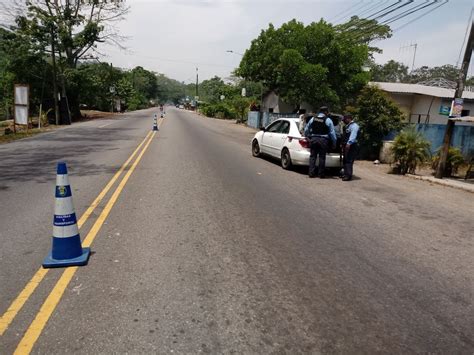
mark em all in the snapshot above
pixel 349 146
pixel 321 133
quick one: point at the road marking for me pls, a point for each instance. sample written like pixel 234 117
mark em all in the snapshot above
pixel 36 327
pixel 30 287
pixel 105 125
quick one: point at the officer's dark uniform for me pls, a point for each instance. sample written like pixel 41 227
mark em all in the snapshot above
pixel 319 139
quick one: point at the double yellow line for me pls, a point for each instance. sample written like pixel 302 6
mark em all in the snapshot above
pixel 34 331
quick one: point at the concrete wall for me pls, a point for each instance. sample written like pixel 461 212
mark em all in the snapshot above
pixel 463 137
pixel 272 100
pixel 417 107
pixel 404 102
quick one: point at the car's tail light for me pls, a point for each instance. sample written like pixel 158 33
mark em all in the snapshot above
pixel 304 142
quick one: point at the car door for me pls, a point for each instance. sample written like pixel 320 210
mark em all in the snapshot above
pixel 279 138
pixel 268 137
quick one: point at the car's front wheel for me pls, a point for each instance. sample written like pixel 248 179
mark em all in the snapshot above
pixel 285 159
pixel 255 148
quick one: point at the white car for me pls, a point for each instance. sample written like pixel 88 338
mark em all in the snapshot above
pixel 282 139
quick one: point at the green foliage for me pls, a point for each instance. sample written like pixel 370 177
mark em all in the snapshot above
pixel 448 72
pixel 218 110
pixel 392 71
pixel 409 149
pixel 319 63
pixel 377 116
pixel 20 63
pixel 240 106
pixel 75 28
pixel 169 90
pixel 212 89
pixel 365 31
pixel 453 162
pixel 144 82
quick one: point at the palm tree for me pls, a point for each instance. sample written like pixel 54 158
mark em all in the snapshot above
pixel 410 149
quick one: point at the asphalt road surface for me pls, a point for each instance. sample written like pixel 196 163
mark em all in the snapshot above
pixel 203 248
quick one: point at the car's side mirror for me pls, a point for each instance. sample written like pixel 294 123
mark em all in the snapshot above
pixel 263 129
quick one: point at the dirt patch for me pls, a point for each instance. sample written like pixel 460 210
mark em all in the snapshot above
pixel 92 115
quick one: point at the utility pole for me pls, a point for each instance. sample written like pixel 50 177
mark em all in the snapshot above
pixel 457 95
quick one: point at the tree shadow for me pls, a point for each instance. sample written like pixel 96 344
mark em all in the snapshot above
pixel 36 160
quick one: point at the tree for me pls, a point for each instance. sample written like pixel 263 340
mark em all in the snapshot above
pixel 211 90
pixel 365 31
pixel 169 90
pixel 377 116
pixel 410 149
pixel 75 27
pixel 390 72
pixel 447 71
pixel 319 63
pixel 144 83
pixel 21 63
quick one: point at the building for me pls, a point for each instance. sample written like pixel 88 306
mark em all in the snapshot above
pixel 272 103
pixel 426 104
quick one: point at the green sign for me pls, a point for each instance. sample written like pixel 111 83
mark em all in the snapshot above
pixel 444 110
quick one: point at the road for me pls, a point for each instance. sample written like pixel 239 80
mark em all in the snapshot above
pixel 204 248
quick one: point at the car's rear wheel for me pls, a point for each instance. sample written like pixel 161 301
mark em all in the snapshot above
pixel 255 148
pixel 286 159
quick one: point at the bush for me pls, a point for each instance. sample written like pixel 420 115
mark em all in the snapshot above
pixel 453 162
pixel 377 116
pixel 218 110
pixel 409 149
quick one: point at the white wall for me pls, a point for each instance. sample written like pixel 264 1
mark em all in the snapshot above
pixel 404 102
pixel 413 105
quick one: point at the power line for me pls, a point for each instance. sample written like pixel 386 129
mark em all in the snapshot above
pixel 393 10
pixel 360 18
pixel 465 36
pixel 345 17
pixel 338 17
pixel 358 33
pixel 419 17
pixel 373 8
pixel 409 12
pixel 386 8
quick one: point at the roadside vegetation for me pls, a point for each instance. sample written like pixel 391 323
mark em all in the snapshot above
pixel 410 149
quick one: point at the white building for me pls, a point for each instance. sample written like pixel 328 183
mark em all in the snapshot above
pixel 426 104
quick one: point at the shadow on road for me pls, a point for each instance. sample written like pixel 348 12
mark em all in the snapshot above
pixel 35 160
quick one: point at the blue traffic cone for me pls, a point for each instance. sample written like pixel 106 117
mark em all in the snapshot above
pixel 155 124
pixel 67 249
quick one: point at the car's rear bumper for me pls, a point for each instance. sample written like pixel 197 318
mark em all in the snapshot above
pixel 301 157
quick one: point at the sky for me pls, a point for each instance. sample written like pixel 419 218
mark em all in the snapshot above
pixel 174 37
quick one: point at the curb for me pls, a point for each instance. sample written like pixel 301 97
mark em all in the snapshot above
pixel 442 182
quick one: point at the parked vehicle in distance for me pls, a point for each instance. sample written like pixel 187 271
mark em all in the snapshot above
pixel 281 139
pixel 181 107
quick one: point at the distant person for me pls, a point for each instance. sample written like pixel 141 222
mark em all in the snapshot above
pixel 321 133
pixel 349 146
pixel 302 123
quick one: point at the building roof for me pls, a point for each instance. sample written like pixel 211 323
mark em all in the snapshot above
pixel 403 88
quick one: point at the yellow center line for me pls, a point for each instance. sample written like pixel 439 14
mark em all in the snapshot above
pixel 36 327
pixel 30 287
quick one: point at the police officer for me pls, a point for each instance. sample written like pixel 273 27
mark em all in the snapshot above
pixel 321 133
pixel 349 146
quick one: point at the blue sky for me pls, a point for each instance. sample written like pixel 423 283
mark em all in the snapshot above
pixel 175 36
